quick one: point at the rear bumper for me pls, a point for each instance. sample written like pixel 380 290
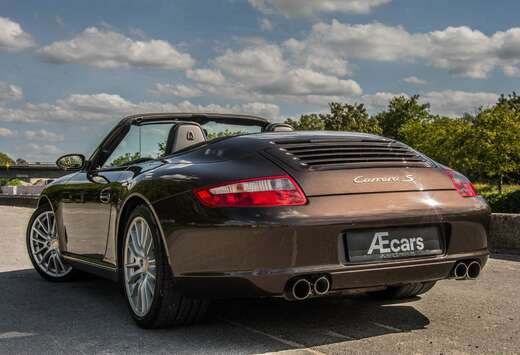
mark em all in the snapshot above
pixel 255 252
pixel 344 279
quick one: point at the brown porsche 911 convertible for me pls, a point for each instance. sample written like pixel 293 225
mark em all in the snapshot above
pixel 185 208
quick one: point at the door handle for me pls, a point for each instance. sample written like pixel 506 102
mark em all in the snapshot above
pixel 104 195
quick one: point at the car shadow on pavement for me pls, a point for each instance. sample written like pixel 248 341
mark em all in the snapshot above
pixel 90 316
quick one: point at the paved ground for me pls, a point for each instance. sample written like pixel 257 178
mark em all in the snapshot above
pixel 456 317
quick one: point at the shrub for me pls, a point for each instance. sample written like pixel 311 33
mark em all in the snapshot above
pixel 506 202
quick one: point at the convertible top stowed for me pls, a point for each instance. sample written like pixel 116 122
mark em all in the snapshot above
pixel 199 118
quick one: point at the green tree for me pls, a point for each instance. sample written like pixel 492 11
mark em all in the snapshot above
pixel 444 139
pixel 495 142
pixel 125 159
pixel 347 117
pixel 400 111
pixel 5 160
pixel 309 122
pixel 512 101
pixel 225 133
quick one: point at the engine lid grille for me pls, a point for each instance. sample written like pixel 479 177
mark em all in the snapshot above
pixel 348 154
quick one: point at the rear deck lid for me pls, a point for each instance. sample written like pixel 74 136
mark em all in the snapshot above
pixel 357 164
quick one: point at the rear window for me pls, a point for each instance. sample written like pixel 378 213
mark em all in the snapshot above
pixel 217 129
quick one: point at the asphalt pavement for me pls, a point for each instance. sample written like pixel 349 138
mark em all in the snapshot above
pixel 90 316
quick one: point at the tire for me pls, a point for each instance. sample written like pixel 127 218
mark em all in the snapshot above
pixel 43 247
pixel 146 275
pixel 404 291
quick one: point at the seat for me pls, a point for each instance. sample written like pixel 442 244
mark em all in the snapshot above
pixel 184 135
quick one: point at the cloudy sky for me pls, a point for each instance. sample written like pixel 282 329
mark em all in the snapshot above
pixel 69 70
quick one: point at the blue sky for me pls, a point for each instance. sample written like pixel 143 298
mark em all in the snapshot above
pixel 69 70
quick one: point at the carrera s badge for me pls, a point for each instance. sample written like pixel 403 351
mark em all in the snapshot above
pixel 364 180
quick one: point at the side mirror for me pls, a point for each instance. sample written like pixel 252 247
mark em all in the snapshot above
pixel 71 162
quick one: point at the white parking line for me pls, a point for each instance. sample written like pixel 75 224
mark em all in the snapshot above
pixel 339 335
pixel 389 327
pixel 11 335
pixel 298 346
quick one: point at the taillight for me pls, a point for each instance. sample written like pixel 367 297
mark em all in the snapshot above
pixel 267 191
pixel 462 184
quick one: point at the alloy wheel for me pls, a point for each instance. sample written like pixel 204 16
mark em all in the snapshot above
pixel 139 266
pixel 45 246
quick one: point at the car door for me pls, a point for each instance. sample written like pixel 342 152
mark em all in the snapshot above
pixel 90 198
pixel 86 211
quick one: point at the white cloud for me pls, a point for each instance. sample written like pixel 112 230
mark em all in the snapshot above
pixel 454 102
pixel 447 102
pixel 414 80
pixel 303 8
pixel 316 58
pixel 206 76
pixel 110 108
pixel 302 82
pixel 10 92
pixel 460 50
pixel 269 72
pixel 12 36
pixel 43 135
pixel 108 49
pixel 38 152
pixel 265 24
pixel 373 41
pixel 7 133
pixel 379 101
pixel 262 62
pixel 179 90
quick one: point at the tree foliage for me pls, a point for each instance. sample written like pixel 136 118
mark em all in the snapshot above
pixel 310 122
pixel 346 117
pixel 5 160
pixel 495 142
pixel 342 117
pixel 402 110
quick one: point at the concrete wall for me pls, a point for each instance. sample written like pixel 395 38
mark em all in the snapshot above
pixel 504 234
pixel 21 190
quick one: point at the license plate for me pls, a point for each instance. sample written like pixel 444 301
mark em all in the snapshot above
pixel 393 243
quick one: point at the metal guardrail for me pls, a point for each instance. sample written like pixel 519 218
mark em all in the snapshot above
pixel 33 170
pixel 19 200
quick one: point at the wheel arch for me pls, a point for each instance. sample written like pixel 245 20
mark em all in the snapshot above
pixel 130 203
pixel 44 200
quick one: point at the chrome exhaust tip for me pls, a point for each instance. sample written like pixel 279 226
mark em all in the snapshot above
pixel 473 270
pixel 460 271
pixel 321 286
pixel 301 289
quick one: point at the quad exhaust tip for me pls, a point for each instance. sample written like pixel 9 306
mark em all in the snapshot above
pixel 301 288
pixel 460 271
pixel 466 270
pixel 473 270
pixel 321 286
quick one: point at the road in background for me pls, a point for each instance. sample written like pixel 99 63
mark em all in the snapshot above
pixel 90 316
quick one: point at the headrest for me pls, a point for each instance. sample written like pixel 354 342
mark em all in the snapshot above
pixel 279 127
pixel 184 135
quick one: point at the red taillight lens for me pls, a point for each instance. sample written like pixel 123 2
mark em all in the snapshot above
pixel 461 183
pixel 259 192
